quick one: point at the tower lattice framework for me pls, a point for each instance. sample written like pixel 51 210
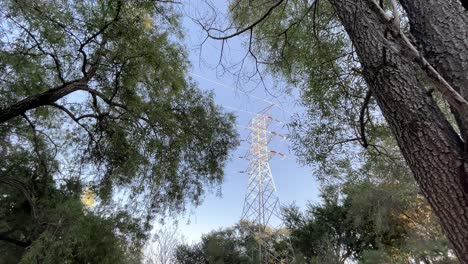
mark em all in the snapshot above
pixel 261 204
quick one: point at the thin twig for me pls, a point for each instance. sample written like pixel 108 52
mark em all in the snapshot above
pixel 362 121
pixel 250 27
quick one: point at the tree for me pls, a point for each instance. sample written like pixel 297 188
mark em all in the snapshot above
pixel 61 230
pixel 360 227
pixel 401 222
pixel 355 57
pixel 377 213
pixel 186 254
pixel 94 97
pixel 327 236
pixel 236 245
pixel 162 248
pixel 80 238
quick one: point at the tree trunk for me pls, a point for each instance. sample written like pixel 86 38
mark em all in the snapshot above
pixel 430 145
pixel 440 29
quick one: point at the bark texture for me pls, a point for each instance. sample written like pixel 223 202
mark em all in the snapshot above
pixel 440 29
pixel 36 101
pixel 430 145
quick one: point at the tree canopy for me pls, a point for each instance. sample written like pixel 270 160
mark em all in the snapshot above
pixel 366 70
pixel 236 245
pixel 95 98
pixel 102 131
pixel 370 223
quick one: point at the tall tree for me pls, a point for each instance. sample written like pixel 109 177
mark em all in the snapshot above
pixel 236 245
pixel 306 41
pixel 161 249
pixel 429 143
pixel 190 254
pixel 94 96
pixel 376 214
pixel 325 234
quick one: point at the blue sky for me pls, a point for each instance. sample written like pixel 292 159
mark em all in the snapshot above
pixel 295 183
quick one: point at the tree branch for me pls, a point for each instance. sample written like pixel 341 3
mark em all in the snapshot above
pixel 46 98
pixel 250 27
pixel 57 63
pixel 362 121
pixel 94 36
pixel 25 190
pixel 74 118
pixel 36 143
pixel 4 237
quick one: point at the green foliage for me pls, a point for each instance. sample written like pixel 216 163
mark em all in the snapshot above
pixel 375 256
pixel 383 191
pixel 186 254
pixel 376 214
pixel 76 237
pixel 235 245
pixel 94 96
pixel 303 41
pixel 326 233
pixel 352 224
pixel 137 121
pixel 43 223
pixel 368 222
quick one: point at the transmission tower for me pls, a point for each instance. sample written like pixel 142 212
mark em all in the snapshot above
pixel 261 204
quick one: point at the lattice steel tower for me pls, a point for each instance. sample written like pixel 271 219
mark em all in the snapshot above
pixel 261 204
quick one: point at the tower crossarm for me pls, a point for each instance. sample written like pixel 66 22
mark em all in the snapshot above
pixel 261 204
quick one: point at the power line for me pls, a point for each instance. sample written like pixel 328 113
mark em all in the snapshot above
pixel 247 94
pixel 238 109
pixel 261 113
pixel 252 113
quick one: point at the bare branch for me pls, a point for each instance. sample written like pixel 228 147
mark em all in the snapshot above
pixel 362 120
pixel 314 26
pixel 250 27
pixel 168 1
pixel 74 118
pixel 396 16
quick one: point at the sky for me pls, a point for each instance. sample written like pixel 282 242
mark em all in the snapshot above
pixel 295 183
